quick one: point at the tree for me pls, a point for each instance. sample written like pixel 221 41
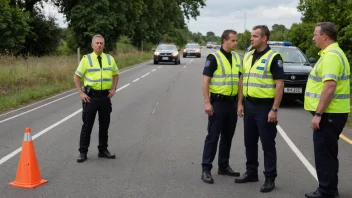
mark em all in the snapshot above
pixel 210 34
pixel 244 40
pixel 278 33
pixel 13 28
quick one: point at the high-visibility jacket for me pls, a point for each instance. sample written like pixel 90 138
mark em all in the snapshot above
pixel 258 81
pixel 99 78
pixel 226 76
pixel 332 65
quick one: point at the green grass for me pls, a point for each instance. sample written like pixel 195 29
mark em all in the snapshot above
pixel 25 81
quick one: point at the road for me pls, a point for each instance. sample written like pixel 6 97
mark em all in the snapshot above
pixel 157 132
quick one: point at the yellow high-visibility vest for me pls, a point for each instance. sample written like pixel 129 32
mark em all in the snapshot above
pixel 94 76
pixel 225 78
pixel 258 81
pixel 332 65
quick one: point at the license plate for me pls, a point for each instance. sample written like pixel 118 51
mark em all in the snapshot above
pixel 292 90
pixel 165 58
pixel 192 51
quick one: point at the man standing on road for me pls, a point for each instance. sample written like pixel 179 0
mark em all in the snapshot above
pixel 100 75
pixel 262 87
pixel 220 86
pixel 327 97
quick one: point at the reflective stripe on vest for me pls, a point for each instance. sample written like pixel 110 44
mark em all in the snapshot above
pixel 91 62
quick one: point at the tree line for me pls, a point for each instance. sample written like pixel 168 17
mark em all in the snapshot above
pixel 26 30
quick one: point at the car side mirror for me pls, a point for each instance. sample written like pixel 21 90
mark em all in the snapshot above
pixel 311 60
pixel 153 49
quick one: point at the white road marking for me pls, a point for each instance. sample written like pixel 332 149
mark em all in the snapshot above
pixel 153 70
pixel 15 152
pixel 37 102
pixel 160 67
pixel 135 80
pixel 155 108
pixel 10 118
pixel 145 75
pixel 300 156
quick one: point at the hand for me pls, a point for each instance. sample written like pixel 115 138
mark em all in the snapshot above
pixel 84 97
pixel 272 116
pixel 111 93
pixel 209 109
pixel 240 111
pixel 315 122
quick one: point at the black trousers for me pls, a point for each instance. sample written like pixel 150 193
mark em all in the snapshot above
pixel 326 150
pixel 223 122
pixel 256 126
pixel 102 105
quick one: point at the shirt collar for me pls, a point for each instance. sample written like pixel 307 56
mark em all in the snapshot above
pixel 329 47
pixel 262 52
pixel 225 52
pixel 94 55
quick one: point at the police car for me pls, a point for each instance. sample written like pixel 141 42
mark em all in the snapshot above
pixel 296 68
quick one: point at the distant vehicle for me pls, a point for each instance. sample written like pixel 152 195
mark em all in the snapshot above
pixel 192 50
pixel 167 53
pixel 217 46
pixel 209 44
pixel 296 68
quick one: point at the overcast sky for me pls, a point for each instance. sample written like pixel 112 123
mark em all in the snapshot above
pixel 219 15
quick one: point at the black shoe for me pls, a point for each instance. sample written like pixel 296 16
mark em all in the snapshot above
pixel 106 154
pixel 247 178
pixel 207 178
pixel 268 185
pixel 318 194
pixel 228 171
pixel 82 157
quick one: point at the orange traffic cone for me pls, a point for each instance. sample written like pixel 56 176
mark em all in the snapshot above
pixel 28 174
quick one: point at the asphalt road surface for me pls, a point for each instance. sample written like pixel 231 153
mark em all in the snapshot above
pixel 157 132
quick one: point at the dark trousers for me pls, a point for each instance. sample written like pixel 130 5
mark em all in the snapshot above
pixel 326 150
pixel 222 122
pixel 102 105
pixel 256 126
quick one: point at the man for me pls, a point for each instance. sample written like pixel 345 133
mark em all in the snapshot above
pixel 220 87
pixel 327 97
pixel 100 75
pixel 262 87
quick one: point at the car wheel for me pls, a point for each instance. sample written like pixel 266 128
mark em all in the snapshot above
pixel 184 56
pixel 155 62
pixel 179 61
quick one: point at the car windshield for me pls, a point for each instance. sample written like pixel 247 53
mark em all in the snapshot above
pixel 166 47
pixel 291 55
pixel 192 46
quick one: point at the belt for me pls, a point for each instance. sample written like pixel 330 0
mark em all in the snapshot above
pixel 222 97
pixel 260 100
pixel 100 92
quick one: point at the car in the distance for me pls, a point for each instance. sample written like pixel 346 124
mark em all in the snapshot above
pixel 167 53
pixel 192 49
pixel 209 44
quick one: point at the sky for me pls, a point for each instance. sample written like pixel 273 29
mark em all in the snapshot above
pixel 219 15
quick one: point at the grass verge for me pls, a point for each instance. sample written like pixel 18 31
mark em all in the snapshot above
pixel 26 81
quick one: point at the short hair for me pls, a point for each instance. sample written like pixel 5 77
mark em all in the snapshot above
pixel 226 35
pixel 265 30
pixel 329 29
pixel 97 36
